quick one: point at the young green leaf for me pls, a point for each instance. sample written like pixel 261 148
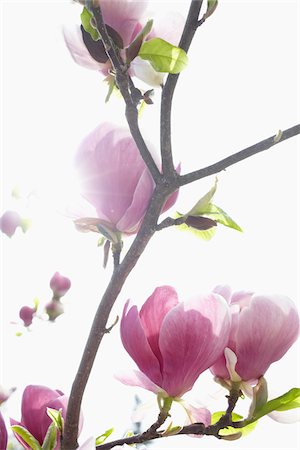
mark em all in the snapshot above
pixel 211 7
pixel 231 431
pixel 220 216
pixel 27 437
pixel 56 417
pixel 134 48
pixel 204 201
pixel 202 234
pixel 163 56
pixel 50 440
pixel 260 397
pixel 86 18
pixel 289 400
pixel 102 438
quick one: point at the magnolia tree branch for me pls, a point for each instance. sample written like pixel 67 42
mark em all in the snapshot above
pixel 165 185
pixel 195 428
pixel 190 28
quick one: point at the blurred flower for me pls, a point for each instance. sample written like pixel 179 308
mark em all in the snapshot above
pixel 27 313
pixel 173 343
pixel 59 285
pixel 5 393
pixel 115 181
pixel 35 401
pixel 3 433
pixel 54 309
pixel 9 222
pixel 263 328
pixel 124 20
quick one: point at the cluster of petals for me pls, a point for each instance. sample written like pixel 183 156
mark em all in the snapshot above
pixel 115 182
pixel 35 401
pixel 173 342
pixel 263 328
pixel 125 19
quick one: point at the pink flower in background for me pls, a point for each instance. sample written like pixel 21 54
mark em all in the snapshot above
pixel 3 433
pixel 172 343
pixel 114 180
pixel 5 393
pixel 59 285
pixel 35 419
pixel 9 222
pixel 27 313
pixel 263 328
pixel 124 20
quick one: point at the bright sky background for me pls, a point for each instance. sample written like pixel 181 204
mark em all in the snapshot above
pixel 240 87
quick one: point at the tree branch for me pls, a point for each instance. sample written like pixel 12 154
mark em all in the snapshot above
pixel 127 90
pixel 190 28
pixel 239 156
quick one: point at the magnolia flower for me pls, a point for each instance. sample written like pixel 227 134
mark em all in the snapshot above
pixel 5 393
pixel 27 313
pixel 124 20
pixel 59 285
pixel 35 419
pixel 9 222
pixel 54 309
pixel 263 328
pixel 173 343
pixel 3 433
pixel 114 180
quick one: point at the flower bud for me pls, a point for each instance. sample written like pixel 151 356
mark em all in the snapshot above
pixel 54 309
pixel 9 222
pixel 59 285
pixel 26 314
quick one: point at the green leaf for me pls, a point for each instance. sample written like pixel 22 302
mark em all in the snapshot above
pixel 50 440
pixel 202 204
pixel 27 437
pixel 56 417
pixel 231 431
pixel 289 400
pixel 163 56
pixel 86 18
pixel 220 216
pixel 134 48
pixel 102 438
pixel 211 7
pixel 202 234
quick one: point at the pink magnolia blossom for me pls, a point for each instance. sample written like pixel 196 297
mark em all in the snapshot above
pixel 114 180
pixel 54 309
pixel 172 343
pixel 59 285
pixel 35 401
pixel 26 313
pixel 9 222
pixel 263 328
pixel 125 19
pixel 3 433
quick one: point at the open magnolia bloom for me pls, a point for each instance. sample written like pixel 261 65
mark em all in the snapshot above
pixel 124 20
pixel 115 182
pixel 263 328
pixel 173 342
pixel 35 401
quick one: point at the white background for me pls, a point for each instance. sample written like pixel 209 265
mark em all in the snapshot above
pixel 240 87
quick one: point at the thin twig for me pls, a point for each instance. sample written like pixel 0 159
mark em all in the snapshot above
pixel 190 28
pixel 127 90
pixel 239 156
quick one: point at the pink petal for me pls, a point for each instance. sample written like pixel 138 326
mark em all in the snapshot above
pixel 33 408
pixel 144 71
pixel 224 290
pixel 3 433
pixel 267 329
pixel 153 312
pixel 136 344
pixel 78 50
pixel 290 416
pixel 193 335
pixel 138 379
pixel 140 201
pixel 123 15
pixel 168 27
